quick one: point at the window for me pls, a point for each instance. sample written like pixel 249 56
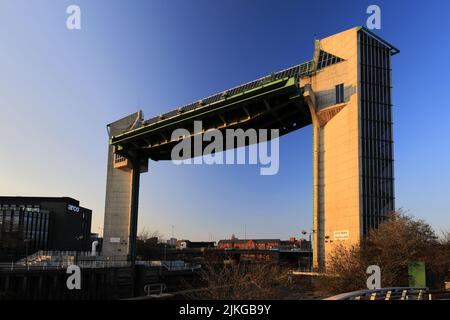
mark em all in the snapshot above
pixel 340 93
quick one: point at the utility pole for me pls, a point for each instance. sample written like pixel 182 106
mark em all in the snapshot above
pixel 304 232
pixel 26 250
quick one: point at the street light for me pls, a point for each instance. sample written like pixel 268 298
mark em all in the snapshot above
pixel 76 251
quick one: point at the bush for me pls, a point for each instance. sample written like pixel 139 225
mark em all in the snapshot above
pixel 396 243
pixel 240 281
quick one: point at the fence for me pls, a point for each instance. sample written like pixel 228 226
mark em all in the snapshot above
pixel 65 264
pixel 397 293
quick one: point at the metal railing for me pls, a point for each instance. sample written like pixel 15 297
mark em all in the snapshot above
pixel 170 265
pixel 53 256
pixel 69 260
pixel 295 71
pixel 395 293
pixel 155 289
pixel 46 265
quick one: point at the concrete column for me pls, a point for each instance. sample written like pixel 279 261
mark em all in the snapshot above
pixel 318 196
pixel 318 210
pixel 121 177
pixel 136 173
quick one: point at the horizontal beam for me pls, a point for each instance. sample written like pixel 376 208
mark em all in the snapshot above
pixel 234 101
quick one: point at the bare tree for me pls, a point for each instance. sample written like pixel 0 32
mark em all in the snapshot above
pixel 240 281
pixel 396 243
pixel 146 234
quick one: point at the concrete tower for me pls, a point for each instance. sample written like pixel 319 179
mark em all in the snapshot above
pixel 122 194
pixel 350 103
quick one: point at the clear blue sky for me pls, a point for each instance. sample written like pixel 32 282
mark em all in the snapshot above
pixel 59 89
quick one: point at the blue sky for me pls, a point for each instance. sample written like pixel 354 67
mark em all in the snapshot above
pixel 59 89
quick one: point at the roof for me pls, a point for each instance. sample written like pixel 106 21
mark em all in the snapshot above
pixel 394 50
pixel 246 240
pixel 29 200
pixel 232 241
pixel 36 199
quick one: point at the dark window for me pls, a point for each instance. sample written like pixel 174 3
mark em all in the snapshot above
pixel 376 138
pixel 340 93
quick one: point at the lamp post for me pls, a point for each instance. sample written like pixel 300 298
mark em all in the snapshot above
pixel 165 251
pixel 76 249
pixel 304 232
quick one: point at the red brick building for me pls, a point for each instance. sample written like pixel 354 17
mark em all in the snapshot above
pixel 260 244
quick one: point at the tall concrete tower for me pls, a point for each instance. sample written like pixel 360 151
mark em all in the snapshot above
pixel 122 194
pixel 351 107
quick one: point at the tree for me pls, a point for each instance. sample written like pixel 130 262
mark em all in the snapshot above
pixel 146 234
pixel 397 242
pixel 240 281
pixel 149 246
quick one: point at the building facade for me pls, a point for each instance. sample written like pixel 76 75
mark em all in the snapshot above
pixel 29 224
pixel 23 230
